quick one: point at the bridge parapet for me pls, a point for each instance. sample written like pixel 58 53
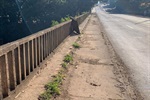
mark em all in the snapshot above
pixel 19 58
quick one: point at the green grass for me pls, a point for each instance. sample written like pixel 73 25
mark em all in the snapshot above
pixel 45 96
pixel 53 88
pixel 68 58
pixel 76 45
pixel 62 20
pixel 64 65
pixel 67 18
pixel 54 23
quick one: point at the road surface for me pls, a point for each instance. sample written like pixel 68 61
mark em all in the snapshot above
pixel 130 37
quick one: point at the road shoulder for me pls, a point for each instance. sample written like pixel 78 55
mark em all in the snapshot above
pixel 97 72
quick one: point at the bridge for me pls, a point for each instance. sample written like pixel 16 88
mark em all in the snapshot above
pixel 21 58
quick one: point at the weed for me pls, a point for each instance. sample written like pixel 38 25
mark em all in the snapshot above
pixel 67 18
pixel 62 20
pixel 54 23
pixel 59 78
pixel 76 45
pixel 64 65
pixel 68 58
pixel 45 96
pixel 84 12
pixel 53 88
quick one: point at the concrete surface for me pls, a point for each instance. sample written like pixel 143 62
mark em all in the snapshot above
pixel 96 73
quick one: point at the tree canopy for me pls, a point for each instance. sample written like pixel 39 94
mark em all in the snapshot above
pixel 19 18
pixel 131 6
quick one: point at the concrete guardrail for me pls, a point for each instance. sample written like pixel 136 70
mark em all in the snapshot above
pixel 19 58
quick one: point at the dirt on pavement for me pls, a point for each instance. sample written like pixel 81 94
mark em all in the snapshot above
pixel 97 72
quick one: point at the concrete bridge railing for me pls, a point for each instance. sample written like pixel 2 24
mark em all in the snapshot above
pixel 19 58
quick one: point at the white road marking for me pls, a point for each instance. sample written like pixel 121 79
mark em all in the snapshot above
pixel 129 26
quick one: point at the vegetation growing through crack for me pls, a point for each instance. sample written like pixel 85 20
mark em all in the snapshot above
pixel 68 58
pixel 53 87
pixel 64 65
pixel 76 45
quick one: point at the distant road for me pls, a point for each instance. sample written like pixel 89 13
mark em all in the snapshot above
pixel 130 37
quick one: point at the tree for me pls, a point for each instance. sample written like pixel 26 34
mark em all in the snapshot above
pixel 19 18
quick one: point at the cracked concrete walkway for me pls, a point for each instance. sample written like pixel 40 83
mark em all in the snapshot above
pixel 93 76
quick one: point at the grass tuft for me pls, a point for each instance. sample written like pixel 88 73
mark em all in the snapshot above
pixel 45 96
pixel 76 45
pixel 64 65
pixel 68 58
pixel 53 88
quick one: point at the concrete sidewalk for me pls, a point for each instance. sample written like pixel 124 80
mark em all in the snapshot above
pixel 96 74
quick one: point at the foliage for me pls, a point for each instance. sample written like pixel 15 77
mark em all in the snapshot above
pixel 130 6
pixel 65 19
pixel 45 96
pixel 21 18
pixel 52 88
pixel 54 23
pixel 68 58
pixel 64 65
pixel 62 20
pixel 76 45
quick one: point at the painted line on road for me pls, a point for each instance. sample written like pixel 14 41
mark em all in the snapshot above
pixel 129 26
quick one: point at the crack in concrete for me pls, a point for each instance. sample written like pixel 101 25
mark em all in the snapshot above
pixel 94 61
pixel 84 97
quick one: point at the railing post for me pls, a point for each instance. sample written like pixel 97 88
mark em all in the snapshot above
pixel 30 56
pixel 49 43
pixel 11 70
pixel 24 58
pixel 21 60
pixel 38 50
pixel 35 53
pixel 46 47
pixel 43 45
pixel 32 53
pixel 27 54
pixel 26 62
pixel 60 35
pixel 41 48
pixel 57 36
pixel 4 76
pixel 17 65
pixel 52 38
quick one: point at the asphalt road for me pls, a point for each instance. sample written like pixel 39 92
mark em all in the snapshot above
pixel 130 37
